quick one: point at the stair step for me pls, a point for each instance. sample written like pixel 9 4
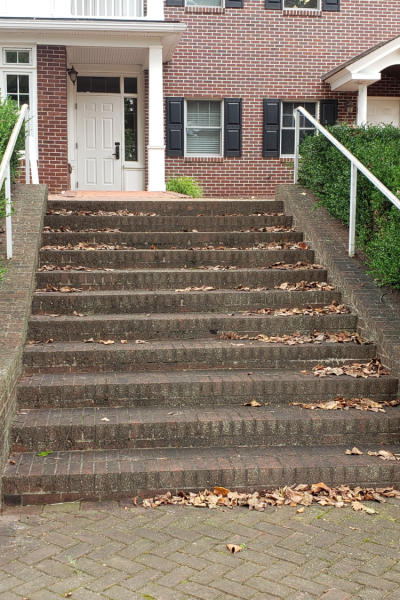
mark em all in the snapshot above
pixel 171 239
pixel 111 474
pixel 187 206
pixel 213 387
pixel 78 357
pixel 126 428
pixel 161 301
pixel 183 326
pixel 153 259
pixel 158 279
pixel 167 222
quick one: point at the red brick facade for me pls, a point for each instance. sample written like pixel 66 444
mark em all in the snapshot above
pixel 52 117
pixel 254 53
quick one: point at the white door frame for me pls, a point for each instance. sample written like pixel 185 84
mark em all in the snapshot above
pixel 133 173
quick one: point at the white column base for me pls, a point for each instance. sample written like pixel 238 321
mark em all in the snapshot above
pixel 156 169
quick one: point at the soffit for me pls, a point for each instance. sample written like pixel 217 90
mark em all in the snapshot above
pixel 107 56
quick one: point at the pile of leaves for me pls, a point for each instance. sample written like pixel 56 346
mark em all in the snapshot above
pixel 217 268
pixel 309 311
pixel 294 266
pixel 304 286
pixel 260 246
pixel 384 455
pixel 85 246
pixel 48 268
pixel 63 212
pixel 64 289
pixel 303 495
pixel 277 229
pixel 69 230
pixel 371 369
pixel 340 403
pixel 242 288
pixel 203 288
pixel 298 338
pixel 267 214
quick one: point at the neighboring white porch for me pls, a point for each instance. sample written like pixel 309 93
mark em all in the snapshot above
pixel 363 70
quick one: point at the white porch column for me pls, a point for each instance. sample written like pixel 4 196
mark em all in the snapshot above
pixel 156 147
pixel 362 104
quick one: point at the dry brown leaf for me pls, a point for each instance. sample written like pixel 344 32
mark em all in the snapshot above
pixel 233 548
pixel 354 451
pixel 89 341
pixel 106 342
pixel 221 491
pixel 140 342
pixel 124 341
pixel 300 510
pixel 105 419
pixel 252 403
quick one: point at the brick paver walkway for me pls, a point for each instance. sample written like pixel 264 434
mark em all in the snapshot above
pixel 88 551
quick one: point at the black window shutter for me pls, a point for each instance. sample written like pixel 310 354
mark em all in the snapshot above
pixel 272 127
pixel 333 5
pixel 234 3
pixel 175 126
pixel 175 2
pixel 233 127
pixel 328 112
pixel 273 4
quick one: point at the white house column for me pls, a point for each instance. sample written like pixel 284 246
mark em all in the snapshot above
pixel 362 104
pixel 156 147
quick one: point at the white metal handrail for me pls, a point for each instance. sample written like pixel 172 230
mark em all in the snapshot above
pixel 5 173
pixel 356 165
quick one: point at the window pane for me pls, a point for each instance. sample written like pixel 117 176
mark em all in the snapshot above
pixel 203 113
pixel 11 57
pixel 13 97
pixel 130 85
pixel 83 84
pixel 23 100
pixel 203 2
pixel 287 141
pixel 203 141
pixel 12 84
pixel 98 84
pixel 23 84
pixel 301 3
pixel 131 145
pixel 113 85
pixel 23 57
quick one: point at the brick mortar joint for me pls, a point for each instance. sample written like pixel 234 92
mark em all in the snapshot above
pixel 326 251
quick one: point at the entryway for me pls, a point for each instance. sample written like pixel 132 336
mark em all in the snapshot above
pixel 383 110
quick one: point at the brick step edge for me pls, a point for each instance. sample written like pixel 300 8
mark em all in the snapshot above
pixel 182 326
pixel 190 354
pixel 195 388
pixel 122 474
pixel 93 429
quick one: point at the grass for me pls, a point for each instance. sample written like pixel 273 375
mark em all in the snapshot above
pixel 185 185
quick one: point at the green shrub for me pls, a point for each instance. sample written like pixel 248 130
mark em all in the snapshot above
pixel 326 171
pixel 185 185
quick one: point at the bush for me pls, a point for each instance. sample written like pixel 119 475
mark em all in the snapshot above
pixel 326 171
pixel 185 185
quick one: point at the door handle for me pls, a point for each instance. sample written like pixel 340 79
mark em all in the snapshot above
pixel 117 148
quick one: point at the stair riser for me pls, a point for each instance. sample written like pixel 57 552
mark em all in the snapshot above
pixel 166 223
pixel 268 356
pixel 163 279
pixel 139 327
pixel 170 259
pixel 166 302
pixel 204 393
pixel 190 206
pixel 251 432
pixel 172 240
pixel 135 479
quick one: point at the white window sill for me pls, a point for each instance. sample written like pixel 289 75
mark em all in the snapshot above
pixel 209 159
pixel 301 12
pixel 214 10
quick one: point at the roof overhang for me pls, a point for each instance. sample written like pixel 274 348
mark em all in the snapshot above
pixel 93 32
pixel 365 68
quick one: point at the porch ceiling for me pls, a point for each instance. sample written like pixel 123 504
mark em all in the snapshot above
pixel 101 55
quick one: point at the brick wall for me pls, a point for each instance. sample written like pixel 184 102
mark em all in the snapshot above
pixel 255 53
pixel 52 117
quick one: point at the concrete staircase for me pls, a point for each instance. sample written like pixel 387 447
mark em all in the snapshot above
pixel 127 418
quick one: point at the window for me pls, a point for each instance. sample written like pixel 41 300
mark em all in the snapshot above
pixel 131 129
pixel 99 85
pixel 307 4
pixel 130 85
pixel 17 57
pixel 203 128
pixel 287 145
pixel 204 2
pixel 18 88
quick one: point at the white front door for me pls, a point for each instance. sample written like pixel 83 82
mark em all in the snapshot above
pixel 383 111
pixel 99 136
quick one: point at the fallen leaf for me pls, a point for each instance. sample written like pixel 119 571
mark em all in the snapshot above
pixel 221 491
pixel 89 341
pixel 12 462
pixel 300 510
pixel 233 548
pixel 354 451
pixel 124 341
pixel 106 342
pixel 140 342
pixel 252 403
pixel 105 419
pixel 153 247
pixel 45 453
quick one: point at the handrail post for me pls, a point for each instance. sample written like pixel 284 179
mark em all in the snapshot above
pixel 34 163
pixel 7 186
pixel 296 144
pixel 27 155
pixel 353 204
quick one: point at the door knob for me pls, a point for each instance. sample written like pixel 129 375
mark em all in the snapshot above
pixel 117 148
